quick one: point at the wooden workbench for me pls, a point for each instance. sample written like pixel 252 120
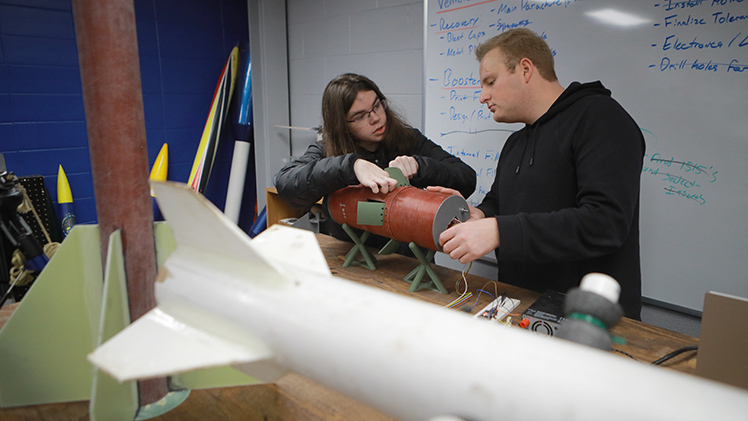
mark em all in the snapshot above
pixel 294 397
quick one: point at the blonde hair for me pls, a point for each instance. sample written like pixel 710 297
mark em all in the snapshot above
pixel 520 43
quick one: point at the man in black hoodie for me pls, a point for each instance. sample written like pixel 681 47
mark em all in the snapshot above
pixel 565 200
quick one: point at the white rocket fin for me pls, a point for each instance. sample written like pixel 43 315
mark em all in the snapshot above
pixel 157 345
pixel 198 224
pixel 293 247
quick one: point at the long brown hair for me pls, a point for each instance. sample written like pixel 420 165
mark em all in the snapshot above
pixel 337 100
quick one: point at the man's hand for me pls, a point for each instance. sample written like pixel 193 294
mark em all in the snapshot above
pixel 470 240
pixel 440 189
pixel 407 164
pixel 475 213
pixel 373 177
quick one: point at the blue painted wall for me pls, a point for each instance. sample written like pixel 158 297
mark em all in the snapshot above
pixel 183 45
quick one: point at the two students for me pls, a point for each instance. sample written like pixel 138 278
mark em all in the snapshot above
pixel 565 201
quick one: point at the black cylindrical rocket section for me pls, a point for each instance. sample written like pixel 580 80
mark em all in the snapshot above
pixel 409 214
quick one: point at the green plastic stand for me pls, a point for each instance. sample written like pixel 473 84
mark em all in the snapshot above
pixel 416 275
pixel 389 248
pixel 358 248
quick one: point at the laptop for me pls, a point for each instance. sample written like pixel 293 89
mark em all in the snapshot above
pixel 723 341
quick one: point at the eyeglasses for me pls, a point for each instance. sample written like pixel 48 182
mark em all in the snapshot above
pixel 363 117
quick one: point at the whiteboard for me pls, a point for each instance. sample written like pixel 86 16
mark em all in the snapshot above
pixel 680 68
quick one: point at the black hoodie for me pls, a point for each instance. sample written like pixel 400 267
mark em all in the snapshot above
pixel 566 197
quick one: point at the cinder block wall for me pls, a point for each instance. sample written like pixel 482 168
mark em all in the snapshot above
pixel 183 45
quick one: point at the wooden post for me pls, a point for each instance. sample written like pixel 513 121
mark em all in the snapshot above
pixel 112 95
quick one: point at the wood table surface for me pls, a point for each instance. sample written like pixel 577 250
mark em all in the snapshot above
pixel 294 397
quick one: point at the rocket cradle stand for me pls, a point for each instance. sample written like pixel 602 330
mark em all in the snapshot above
pixel 358 248
pixel 414 277
pixel 406 214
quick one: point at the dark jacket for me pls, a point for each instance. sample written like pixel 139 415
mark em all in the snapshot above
pixel 566 197
pixel 308 178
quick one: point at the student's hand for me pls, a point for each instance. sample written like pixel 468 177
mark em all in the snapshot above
pixel 470 240
pixel 373 177
pixel 475 213
pixel 407 164
pixel 440 189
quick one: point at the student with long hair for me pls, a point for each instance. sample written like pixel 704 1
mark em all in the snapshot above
pixel 360 136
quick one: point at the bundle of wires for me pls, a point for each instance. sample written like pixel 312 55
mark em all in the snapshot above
pixel 465 294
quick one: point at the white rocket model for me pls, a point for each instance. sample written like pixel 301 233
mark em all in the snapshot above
pixel 270 305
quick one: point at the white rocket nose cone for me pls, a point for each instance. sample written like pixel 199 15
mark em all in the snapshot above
pixel 601 284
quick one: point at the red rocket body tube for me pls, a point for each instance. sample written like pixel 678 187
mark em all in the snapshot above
pixel 409 214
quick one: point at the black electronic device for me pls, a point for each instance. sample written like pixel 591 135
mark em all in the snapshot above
pixel 545 314
pixel 15 233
